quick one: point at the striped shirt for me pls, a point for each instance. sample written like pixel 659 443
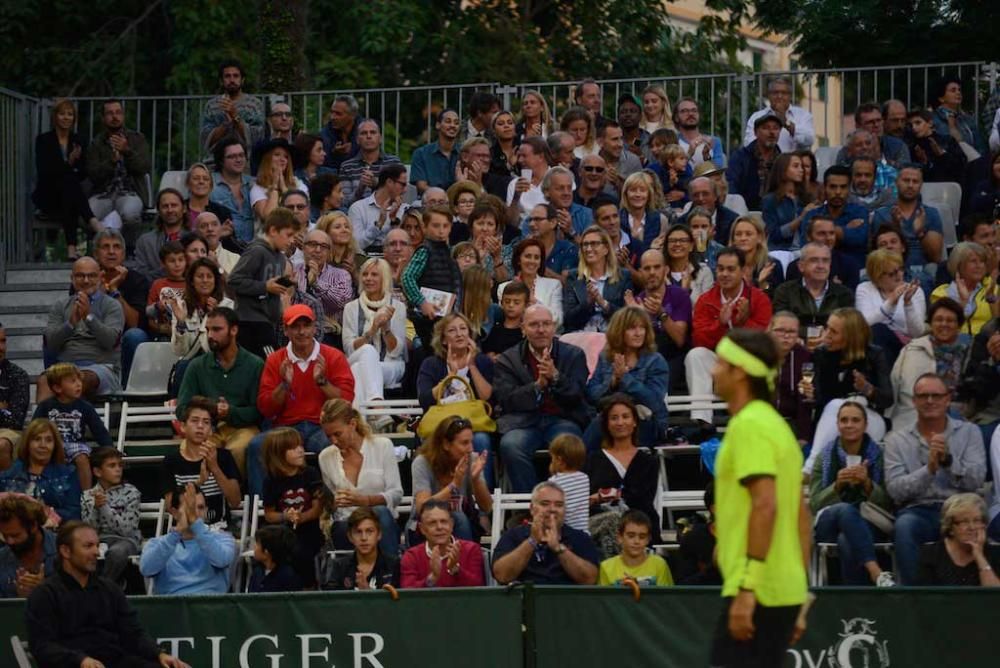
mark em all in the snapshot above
pixel 576 488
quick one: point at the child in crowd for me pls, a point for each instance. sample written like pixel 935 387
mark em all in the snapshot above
pixel 71 414
pixel 676 177
pixel 293 494
pixel 112 506
pixel 567 455
pixel 697 547
pixel 166 289
pixel 507 331
pixel 201 461
pixel 648 570
pixel 258 280
pixel 273 548
pixel 660 140
pixel 367 567
pixel 431 267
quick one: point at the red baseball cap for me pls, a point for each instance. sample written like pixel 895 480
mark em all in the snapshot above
pixel 293 313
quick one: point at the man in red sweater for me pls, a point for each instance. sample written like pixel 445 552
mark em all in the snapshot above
pixel 732 302
pixel 442 561
pixel 297 380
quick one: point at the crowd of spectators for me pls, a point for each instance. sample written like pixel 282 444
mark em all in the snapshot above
pixel 547 287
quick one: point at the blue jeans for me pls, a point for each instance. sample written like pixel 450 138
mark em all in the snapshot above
pixel 646 437
pixel 482 441
pixel 842 524
pixel 518 447
pixel 130 342
pixel 312 436
pixel 915 526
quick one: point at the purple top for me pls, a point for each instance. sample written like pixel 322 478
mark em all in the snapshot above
pixel 676 304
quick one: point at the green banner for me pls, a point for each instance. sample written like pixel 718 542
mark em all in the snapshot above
pixel 562 626
pixel 848 628
pixel 479 627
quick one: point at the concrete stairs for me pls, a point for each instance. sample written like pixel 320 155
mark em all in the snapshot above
pixel 27 294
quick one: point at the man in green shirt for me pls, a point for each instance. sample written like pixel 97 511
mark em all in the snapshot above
pixel 230 375
pixel 762 524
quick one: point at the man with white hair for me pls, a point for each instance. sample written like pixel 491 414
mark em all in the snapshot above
pixel 572 218
pixel 209 226
pixel 540 384
pixel 796 123
pixel 704 192
pixel 434 196
pixel 547 551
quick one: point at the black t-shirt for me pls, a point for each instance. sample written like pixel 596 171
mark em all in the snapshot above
pixel 179 471
pixel 501 338
pixel 299 491
pixel 938 570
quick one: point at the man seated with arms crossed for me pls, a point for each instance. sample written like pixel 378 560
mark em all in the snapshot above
pixel 191 558
pixel 79 619
pixel 547 551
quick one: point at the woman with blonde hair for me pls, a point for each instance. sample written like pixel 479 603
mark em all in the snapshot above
pixel 894 309
pixel 61 168
pixel 631 364
pixel 748 234
pixel 580 124
pixel 641 220
pixel 360 470
pixel 375 333
pixel 962 558
pixel 656 111
pixel 344 252
pixel 275 176
pixel 477 301
pixel 446 469
pixel 598 288
pixel 535 119
pixel 973 287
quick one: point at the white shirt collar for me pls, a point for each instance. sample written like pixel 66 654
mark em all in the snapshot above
pixel 303 364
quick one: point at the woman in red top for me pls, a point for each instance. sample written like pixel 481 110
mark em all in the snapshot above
pixel 442 561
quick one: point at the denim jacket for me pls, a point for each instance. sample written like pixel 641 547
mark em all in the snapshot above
pixel 646 383
pixel 57 486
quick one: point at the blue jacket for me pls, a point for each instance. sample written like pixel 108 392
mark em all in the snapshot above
pixel 58 486
pixel 646 383
pixel 778 215
pixel 743 176
pixel 515 394
pixel 577 308
pixel 652 225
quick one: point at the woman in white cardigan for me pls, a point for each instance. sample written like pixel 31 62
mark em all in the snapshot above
pixel 375 334
pixel 527 261
pixel 893 308
pixel 204 288
pixel 358 469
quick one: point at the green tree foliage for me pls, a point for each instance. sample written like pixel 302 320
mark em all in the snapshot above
pixel 883 32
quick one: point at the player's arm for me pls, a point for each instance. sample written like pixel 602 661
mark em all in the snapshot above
pixel 763 510
pixel 805 531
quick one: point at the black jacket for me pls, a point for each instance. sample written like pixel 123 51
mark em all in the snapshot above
pixel 67 623
pixel 835 381
pixel 340 574
pixel 52 168
pixel 516 395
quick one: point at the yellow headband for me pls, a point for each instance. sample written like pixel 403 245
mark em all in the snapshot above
pixel 752 365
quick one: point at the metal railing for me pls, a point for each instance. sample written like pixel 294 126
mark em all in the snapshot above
pixel 171 124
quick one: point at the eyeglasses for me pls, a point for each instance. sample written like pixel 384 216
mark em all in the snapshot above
pixel 973 522
pixel 678 242
pixel 282 114
pixel 297 207
pixel 593 169
pixel 537 219
pixel 467 256
pixel 86 277
pixel 457 425
pixel 317 244
pixel 591 244
pixel 786 332
pixel 931 396
pixel 402 183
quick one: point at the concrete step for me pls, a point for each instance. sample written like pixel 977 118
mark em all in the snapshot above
pixel 23 316
pixel 39 272
pixel 31 362
pixel 24 339
pixel 40 295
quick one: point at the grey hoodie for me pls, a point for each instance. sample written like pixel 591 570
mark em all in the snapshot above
pixel 258 264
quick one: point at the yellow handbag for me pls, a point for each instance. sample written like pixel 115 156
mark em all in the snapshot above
pixel 476 411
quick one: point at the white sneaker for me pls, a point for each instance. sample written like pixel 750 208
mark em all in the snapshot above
pixel 885 579
pixel 381 424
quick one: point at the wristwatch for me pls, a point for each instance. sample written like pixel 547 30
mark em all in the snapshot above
pixel 559 550
pixel 322 381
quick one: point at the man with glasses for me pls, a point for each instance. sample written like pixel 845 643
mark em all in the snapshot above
pixel 925 463
pixel 84 328
pixel 359 174
pixel 540 386
pixel 330 285
pixel 792 404
pixel 233 114
pixel 232 186
pixel 796 123
pixel 279 126
pixel 700 147
pixel 594 182
pixel 375 215
pixel 813 297
pixel 891 152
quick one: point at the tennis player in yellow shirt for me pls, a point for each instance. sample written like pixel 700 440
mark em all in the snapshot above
pixel 763 525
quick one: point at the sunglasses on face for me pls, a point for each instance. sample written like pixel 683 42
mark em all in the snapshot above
pixel 593 169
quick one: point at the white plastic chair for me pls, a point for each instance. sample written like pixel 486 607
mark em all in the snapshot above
pixel 503 502
pixel 150 372
pixel 826 156
pixel 947 199
pixel 176 180
pixel 21 654
pixel 736 203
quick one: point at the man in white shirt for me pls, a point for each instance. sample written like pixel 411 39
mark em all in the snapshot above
pixel 375 215
pixel 533 155
pixel 797 131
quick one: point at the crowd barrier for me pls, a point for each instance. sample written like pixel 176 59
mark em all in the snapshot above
pixel 546 627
